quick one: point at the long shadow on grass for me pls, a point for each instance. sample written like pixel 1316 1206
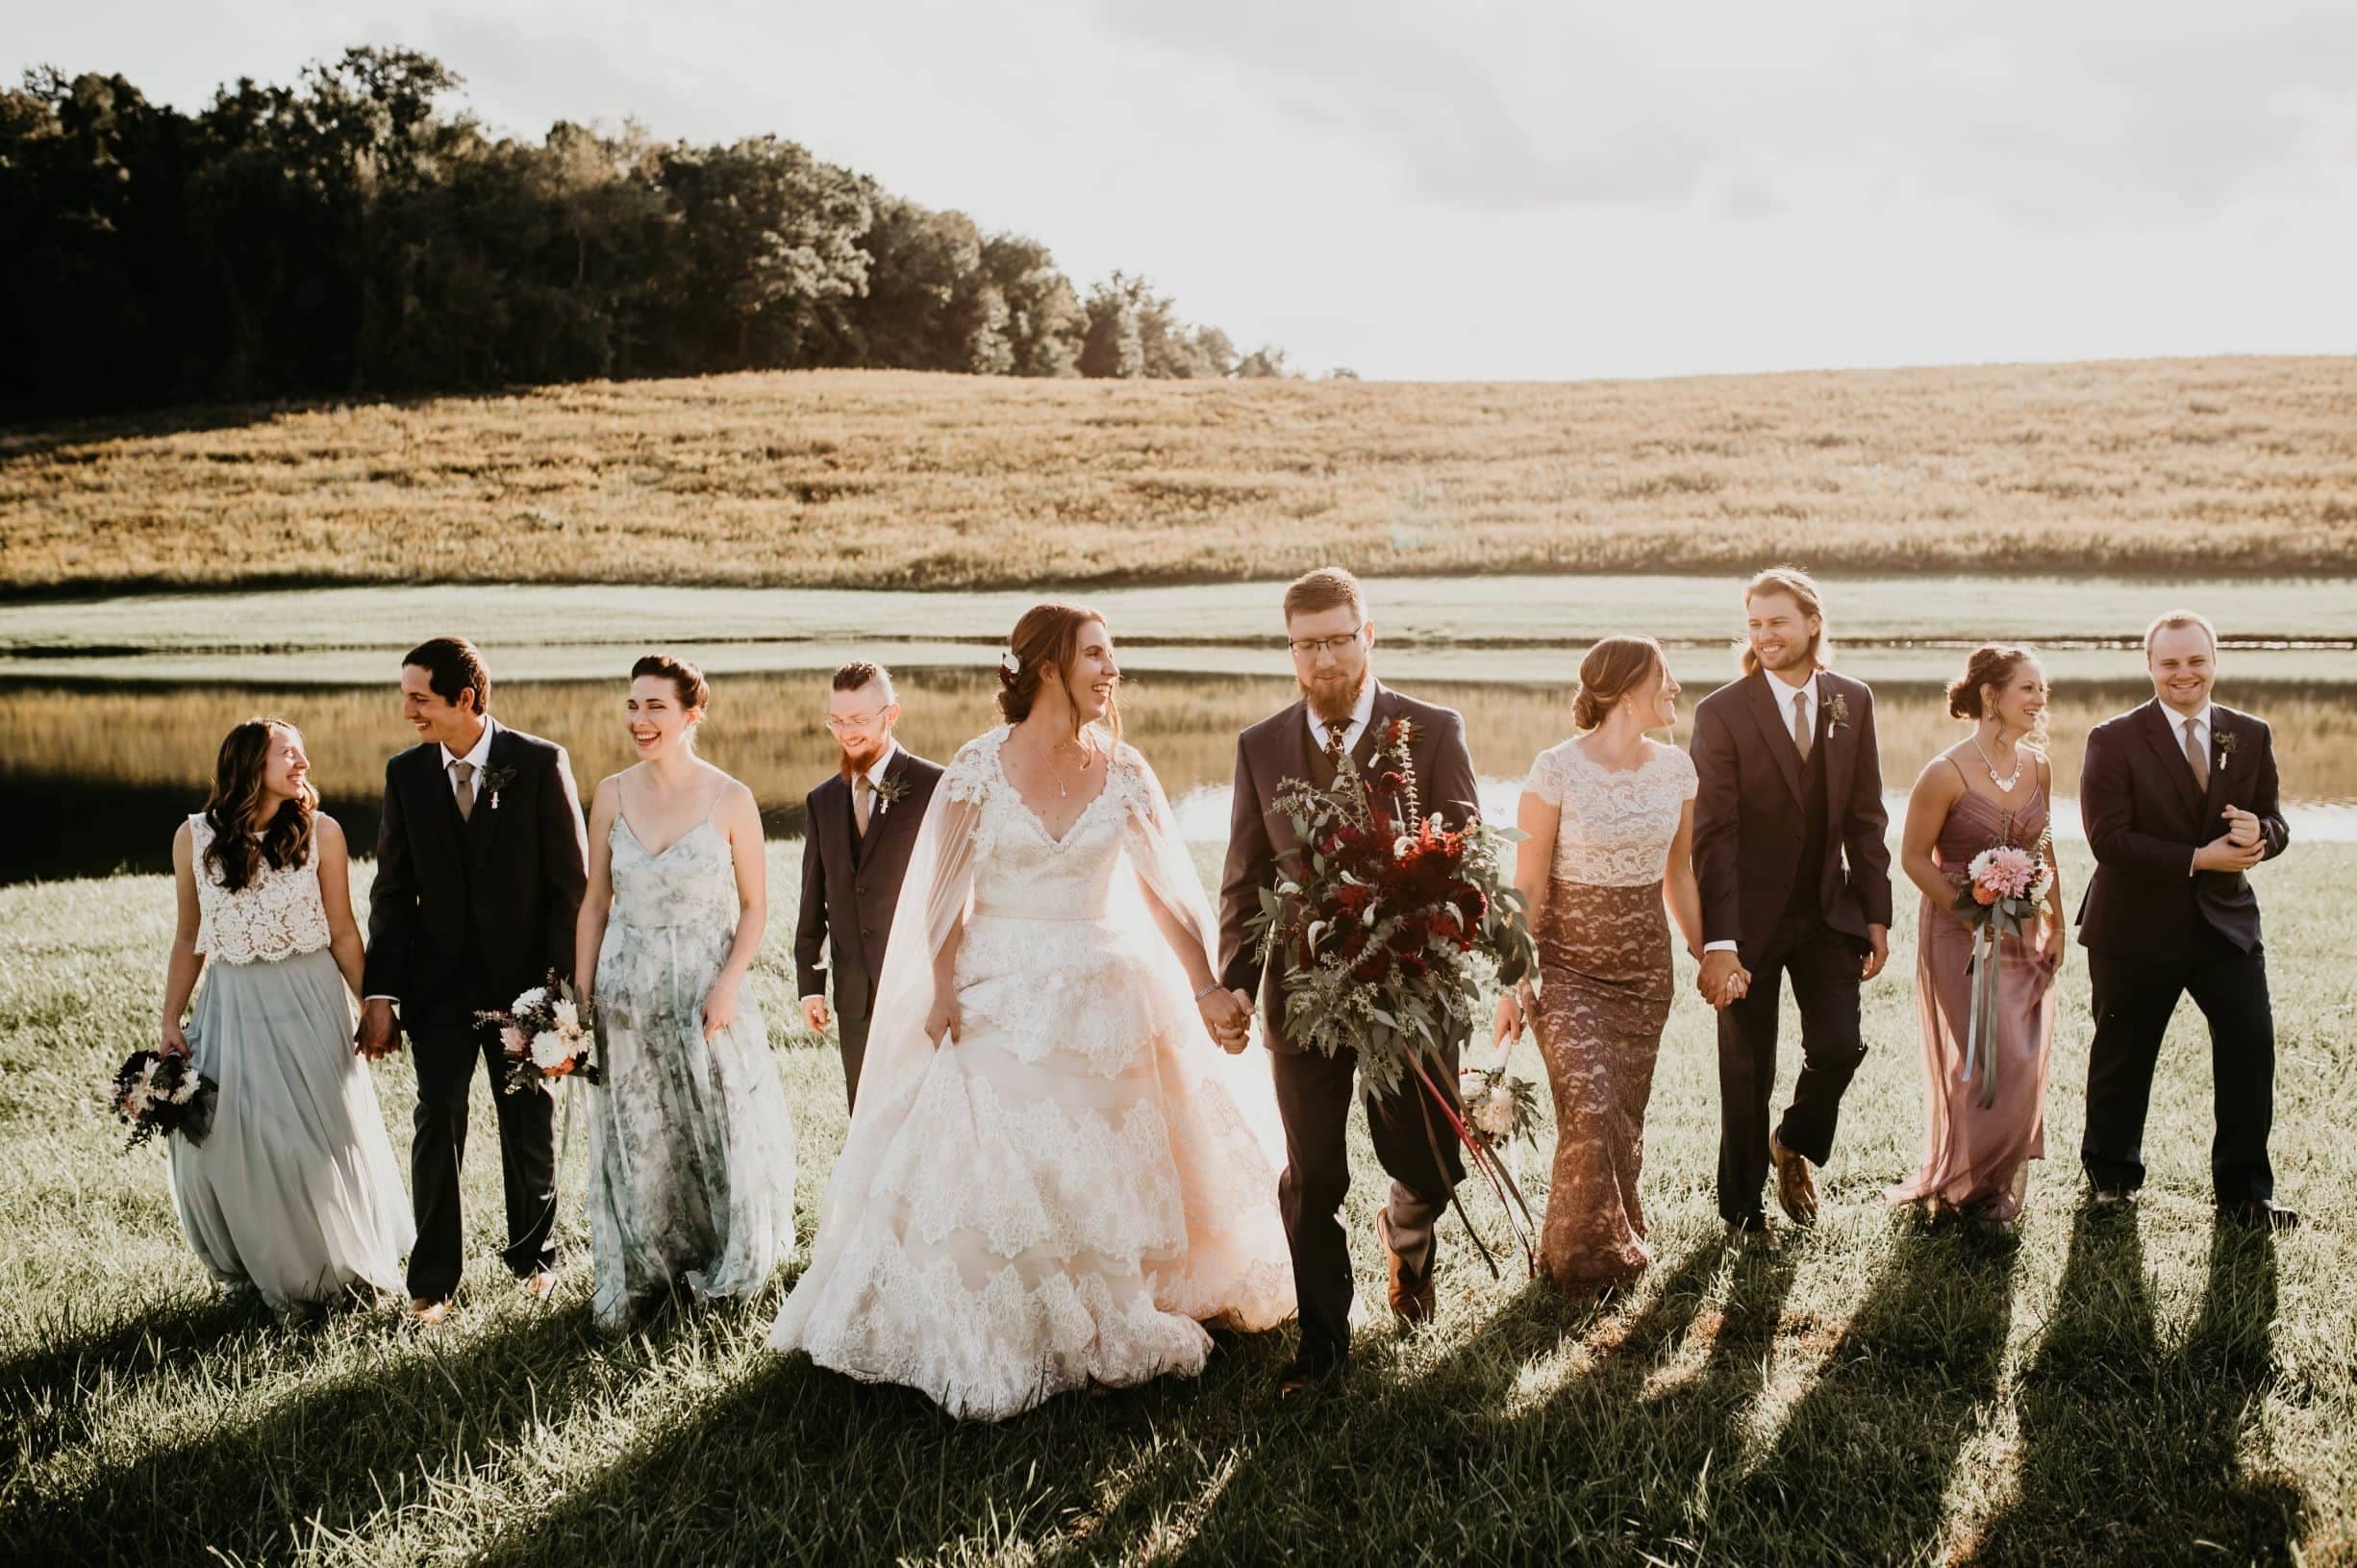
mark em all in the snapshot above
pixel 2131 1453
pixel 49 1391
pixel 1861 1468
pixel 326 1456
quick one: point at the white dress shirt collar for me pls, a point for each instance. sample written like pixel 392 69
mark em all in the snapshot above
pixel 1359 714
pixel 1785 691
pixel 480 757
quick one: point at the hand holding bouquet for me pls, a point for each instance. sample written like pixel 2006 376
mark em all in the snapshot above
pixel 161 1091
pixel 1999 896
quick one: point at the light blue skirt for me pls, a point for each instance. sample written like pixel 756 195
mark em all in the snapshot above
pixel 295 1194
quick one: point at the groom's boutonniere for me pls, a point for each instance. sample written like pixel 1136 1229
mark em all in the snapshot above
pixel 495 780
pixel 1836 711
pixel 2226 740
pixel 888 791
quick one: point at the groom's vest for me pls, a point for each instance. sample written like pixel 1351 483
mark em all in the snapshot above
pixel 1806 902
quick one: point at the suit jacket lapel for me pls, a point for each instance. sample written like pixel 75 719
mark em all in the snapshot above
pixel 1385 709
pixel 2213 800
pixel 881 813
pixel 1841 747
pixel 1775 730
pixel 842 826
pixel 2162 737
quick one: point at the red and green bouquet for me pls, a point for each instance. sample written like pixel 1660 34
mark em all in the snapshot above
pixel 1392 924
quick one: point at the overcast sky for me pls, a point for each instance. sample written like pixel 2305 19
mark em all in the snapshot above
pixel 1462 190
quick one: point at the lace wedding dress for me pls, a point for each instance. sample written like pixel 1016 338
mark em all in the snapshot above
pixel 1066 1193
pixel 294 1195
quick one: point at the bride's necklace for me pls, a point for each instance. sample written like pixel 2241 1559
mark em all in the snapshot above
pixel 2004 783
pixel 1055 769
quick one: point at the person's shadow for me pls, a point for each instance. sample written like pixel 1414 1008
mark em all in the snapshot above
pixel 2133 1453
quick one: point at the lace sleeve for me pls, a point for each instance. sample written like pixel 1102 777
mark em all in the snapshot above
pixel 1546 776
pixel 1682 769
pixel 967 777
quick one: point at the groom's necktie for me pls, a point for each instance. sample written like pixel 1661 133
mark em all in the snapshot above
pixel 2196 757
pixel 463 776
pixel 1801 723
pixel 862 802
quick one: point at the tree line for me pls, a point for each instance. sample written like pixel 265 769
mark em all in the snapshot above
pixel 353 235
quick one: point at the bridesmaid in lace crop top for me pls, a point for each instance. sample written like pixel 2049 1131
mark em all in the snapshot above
pixel 294 1196
pixel 1610 815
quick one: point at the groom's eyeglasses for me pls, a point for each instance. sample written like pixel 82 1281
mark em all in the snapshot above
pixel 1312 647
pixel 854 725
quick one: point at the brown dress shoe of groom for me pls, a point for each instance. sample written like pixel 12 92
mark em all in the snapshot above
pixel 1413 1301
pixel 2259 1214
pixel 1796 1187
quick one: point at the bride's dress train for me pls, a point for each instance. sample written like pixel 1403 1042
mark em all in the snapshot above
pixel 1066 1193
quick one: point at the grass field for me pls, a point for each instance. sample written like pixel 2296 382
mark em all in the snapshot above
pixel 847 479
pixel 2138 1390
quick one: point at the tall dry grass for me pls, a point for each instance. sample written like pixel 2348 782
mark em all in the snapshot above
pixel 2221 466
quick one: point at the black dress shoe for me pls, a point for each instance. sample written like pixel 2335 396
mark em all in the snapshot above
pixel 1302 1378
pixel 2114 1197
pixel 1750 1225
pixel 2259 1214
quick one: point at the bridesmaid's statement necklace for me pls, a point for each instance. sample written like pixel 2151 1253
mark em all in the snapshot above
pixel 2005 784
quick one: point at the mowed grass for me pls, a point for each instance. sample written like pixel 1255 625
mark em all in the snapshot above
pixel 872 479
pixel 2126 1389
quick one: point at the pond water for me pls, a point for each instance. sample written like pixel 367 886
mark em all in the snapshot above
pixel 96 773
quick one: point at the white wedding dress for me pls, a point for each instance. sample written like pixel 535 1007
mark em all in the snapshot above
pixel 1064 1194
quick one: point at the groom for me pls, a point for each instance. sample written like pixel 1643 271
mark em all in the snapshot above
pixel 1795 879
pixel 858 828
pixel 2179 801
pixel 480 867
pixel 1342 709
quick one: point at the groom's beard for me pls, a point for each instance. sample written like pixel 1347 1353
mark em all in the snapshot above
pixel 856 762
pixel 1331 701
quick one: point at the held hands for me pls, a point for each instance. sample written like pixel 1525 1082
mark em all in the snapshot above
pixel 1228 1018
pixel 1723 978
pixel 814 1014
pixel 721 1006
pixel 1878 951
pixel 379 1034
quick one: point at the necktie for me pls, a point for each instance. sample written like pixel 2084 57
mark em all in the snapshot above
pixel 2194 756
pixel 862 802
pixel 1801 723
pixel 463 774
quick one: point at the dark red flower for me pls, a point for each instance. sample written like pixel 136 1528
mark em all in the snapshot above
pixel 1370 970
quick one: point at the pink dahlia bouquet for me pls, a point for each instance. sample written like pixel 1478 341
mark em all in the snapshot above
pixel 1393 923
pixel 548 1026
pixel 1997 897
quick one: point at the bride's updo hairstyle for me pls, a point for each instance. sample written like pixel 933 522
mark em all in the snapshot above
pixel 694 691
pixel 1613 669
pixel 1991 664
pixel 236 855
pixel 1048 634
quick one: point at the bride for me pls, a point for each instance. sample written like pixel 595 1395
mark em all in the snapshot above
pixel 1053 1176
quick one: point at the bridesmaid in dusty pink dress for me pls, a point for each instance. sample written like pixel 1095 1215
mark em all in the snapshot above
pixel 1989 788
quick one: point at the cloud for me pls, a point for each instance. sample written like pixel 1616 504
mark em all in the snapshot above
pixel 2052 114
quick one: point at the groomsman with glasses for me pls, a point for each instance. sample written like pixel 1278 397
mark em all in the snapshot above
pixel 857 829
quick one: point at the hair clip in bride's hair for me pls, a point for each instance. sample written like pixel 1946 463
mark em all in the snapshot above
pixel 1009 665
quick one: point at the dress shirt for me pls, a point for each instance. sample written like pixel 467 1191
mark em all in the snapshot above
pixel 1359 714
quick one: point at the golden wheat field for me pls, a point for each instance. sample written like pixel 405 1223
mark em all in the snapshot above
pixel 844 478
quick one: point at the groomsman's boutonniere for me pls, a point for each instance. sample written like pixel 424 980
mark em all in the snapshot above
pixel 495 780
pixel 2226 740
pixel 1836 710
pixel 889 790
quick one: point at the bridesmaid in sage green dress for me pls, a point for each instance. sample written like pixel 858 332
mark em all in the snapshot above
pixel 691 1147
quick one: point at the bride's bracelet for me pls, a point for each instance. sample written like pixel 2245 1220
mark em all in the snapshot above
pixel 1207 991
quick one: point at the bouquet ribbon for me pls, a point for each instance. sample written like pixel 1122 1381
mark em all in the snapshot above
pixel 1981 1033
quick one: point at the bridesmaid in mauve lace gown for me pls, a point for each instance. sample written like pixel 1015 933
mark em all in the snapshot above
pixel 1989 788
pixel 1610 815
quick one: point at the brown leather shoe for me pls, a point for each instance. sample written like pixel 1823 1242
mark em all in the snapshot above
pixel 1796 1187
pixel 1413 1301
pixel 426 1313
pixel 2259 1214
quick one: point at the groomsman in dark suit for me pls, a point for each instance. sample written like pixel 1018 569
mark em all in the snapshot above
pixel 857 829
pixel 480 861
pixel 1796 879
pixel 2178 797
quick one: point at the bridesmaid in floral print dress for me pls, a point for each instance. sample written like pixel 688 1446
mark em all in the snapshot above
pixel 1610 815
